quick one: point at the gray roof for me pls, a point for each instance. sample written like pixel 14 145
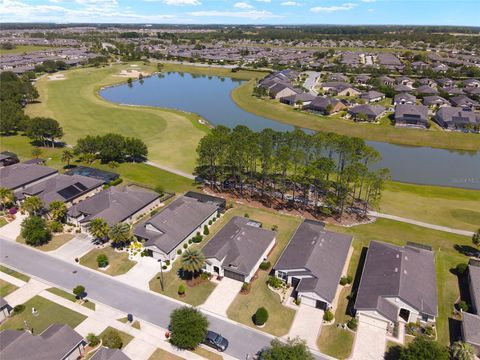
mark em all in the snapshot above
pixel 425 89
pixel 410 111
pixel 474 276
pixel 53 344
pixel 457 116
pixel 367 109
pixel 18 175
pixel 3 302
pixel 7 155
pixel 471 328
pixel 406 97
pixel 372 94
pixel 113 205
pixel 434 100
pixel 239 244
pixel 109 354
pixel 60 188
pixel 321 253
pixel 392 271
pixel 299 97
pixel 174 223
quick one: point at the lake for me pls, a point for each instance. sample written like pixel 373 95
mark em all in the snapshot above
pixel 209 96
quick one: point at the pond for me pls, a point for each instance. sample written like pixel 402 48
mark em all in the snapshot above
pixel 209 96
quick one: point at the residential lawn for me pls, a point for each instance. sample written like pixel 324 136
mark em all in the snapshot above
pixel 3 221
pixel 21 49
pixel 48 313
pixel 452 207
pixel 130 172
pixel 118 261
pixel 444 245
pixel 385 132
pixel 71 297
pixel 136 323
pixel 161 354
pixel 14 273
pixel 207 354
pixel 6 288
pixel 126 338
pixel 75 103
pixel 55 243
pixel 214 71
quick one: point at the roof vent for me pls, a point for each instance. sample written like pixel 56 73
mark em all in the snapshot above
pixel 397 256
pixel 396 269
pixel 405 272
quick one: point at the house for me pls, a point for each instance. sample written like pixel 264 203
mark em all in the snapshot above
pixel 452 91
pixel 426 90
pixel 427 81
pixel 301 99
pixel 338 77
pixel 36 161
pixel 474 285
pixel 8 158
pixel 407 115
pixel 385 80
pixel 372 96
pixel 105 176
pixel 362 79
pixel 419 65
pixel 69 189
pixel 435 101
pixel 404 98
pixel 398 284
pixel 340 88
pixel 279 91
pixel 447 83
pixel 404 80
pixel 472 83
pixel 57 342
pixel 471 321
pixel 313 263
pixel 326 105
pixel 109 354
pixel 221 203
pixel 114 205
pixel 400 88
pixel 238 249
pixel 166 232
pixel 455 118
pixel 5 309
pixel 19 176
pixel 464 102
pixel 366 112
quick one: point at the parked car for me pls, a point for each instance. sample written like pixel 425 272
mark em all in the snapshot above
pixel 216 341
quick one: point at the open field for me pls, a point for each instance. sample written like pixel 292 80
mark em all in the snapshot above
pixel 118 261
pixel 74 102
pixel 20 49
pixel 55 243
pixel 273 109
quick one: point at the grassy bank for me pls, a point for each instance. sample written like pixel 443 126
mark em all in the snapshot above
pixel 213 71
pixel 21 49
pixel 273 109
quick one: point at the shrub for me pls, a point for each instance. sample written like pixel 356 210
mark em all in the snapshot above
pixel 462 305
pixel 115 182
pixel 164 267
pixel 343 280
pixel 274 227
pixel 204 276
pixel 328 315
pixel 111 339
pixel 79 291
pixel 181 289
pixel 274 282
pixel 265 265
pixel 245 287
pixel 205 230
pixel 12 211
pixel 102 260
pixel 352 324
pixel 188 328
pixel 197 239
pixel 18 309
pixel 167 262
pixel 246 215
pixel 35 231
pixel 261 316
pixel 55 226
pixel 154 212
pixel 93 340
pixel 209 222
pixel 179 251
pixel 190 241
pixel 429 330
pixel 461 268
pixel 185 245
pixel 349 279
pixel 298 301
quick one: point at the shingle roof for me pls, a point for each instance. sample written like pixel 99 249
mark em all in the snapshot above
pixel 418 112
pixel 405 96
pixel 109 354
pixel 474 275
pixel 367 109
pixel 471 328
pixel 240 244
pixel 372 94
pixel 17 175
pixel 321 253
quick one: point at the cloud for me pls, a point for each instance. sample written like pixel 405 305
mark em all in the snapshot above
pixel 370 10
pixel 368 1
pixel 182 2
pixel 251 14
pixel 265 1
pixel 242 5
pixel 290 3
pixel 329 9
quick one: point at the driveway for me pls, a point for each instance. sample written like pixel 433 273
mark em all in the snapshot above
pixel 12 230
pixel 140 275
pixel 371 339
pixel 222 296
pixel 138 349
pixel 307 325
pixel 77 247
pixel 311 81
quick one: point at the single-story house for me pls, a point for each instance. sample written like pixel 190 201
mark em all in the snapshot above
pixel 427 81
pixel 407 115
pixel 385 80
pixel 404 98
pixel 340 88
pixel 362 79
pixel 446 82
pixel 279 91
pixel 366 112
pixel 326 105
pixel 221 203
pixel 472 91
pixel 400 88
pixel 398 283
pixel 37 161
pixel 471 83
pixel 435 100
pixel 238 249
pixel 426 90
pixel 105 176
pixel 166 232
pixel 8 158
pixel 19 176
pixel 302 99
pixel 404 80
pixel 57 342
pixel 372 96
pixel 471 330
pixel 452 90
pixel 456 118
pixel 109 354
pixel 313 263
pixel 338 77
pixel 114 205
pixel 67 188
pixel 5 309
pixel 464 102
pixel 474 285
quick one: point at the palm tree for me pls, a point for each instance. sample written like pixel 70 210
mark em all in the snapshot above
pixel 119 233
pixel 98 228
pixel 57 210
pixel 6 197
pixel 192 261
pixel 67 156
pixel 462 351
pixel 32 205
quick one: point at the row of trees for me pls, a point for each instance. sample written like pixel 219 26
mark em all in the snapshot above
pixel 315 172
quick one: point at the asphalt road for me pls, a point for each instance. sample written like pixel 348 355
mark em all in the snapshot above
pixel 142 304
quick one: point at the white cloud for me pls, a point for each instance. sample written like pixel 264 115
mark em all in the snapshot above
pixel 182 2
pixel 370 10
pixel 368 1
pixel 242 5
pixel 265 1
pixel 290 3
pixel 329 9
pixel 252 14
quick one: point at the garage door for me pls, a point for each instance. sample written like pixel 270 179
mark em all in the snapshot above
pixel 233 275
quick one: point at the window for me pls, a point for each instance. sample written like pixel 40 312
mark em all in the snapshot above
pixel 282 275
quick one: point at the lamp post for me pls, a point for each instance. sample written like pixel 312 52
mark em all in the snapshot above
pixel 161 274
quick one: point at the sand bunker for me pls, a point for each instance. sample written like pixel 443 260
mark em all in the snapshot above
pixel 56 77
pixel 132 73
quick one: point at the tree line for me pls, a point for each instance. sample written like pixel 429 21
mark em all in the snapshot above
pixel 323 173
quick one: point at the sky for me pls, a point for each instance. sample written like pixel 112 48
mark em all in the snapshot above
pixel 343 12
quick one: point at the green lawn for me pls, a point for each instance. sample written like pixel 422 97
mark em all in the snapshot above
pixel 14 273
pixel 135 324
pixel 126 338
pixel 6 288
pixel 69 296
pixel 74 102
pixel 55 243
pixel 3 221
pixel 214 71
pixel 273 109
pixel 207 354
pixel 118 261
pixel 20 49
pixel 161 354
pixel 48 313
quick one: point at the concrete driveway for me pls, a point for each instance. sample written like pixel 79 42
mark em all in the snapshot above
pixel 140 275
pixel 222 296
pixel 12 230
pixel 77 247
pixel 307 325
pixel 371 339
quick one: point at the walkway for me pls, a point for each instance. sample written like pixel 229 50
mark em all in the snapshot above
pixel 307 324
pixel 172 170
pixel 222 296
pixel 371 339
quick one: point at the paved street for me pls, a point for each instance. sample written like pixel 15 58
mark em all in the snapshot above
pixel 104 289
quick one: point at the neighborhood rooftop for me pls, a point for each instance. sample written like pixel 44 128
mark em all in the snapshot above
pixel 18 175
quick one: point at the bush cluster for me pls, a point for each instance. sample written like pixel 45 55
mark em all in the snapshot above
pixel 102 260
pixel 328 315
pixel 111 339
pixel 275 282
pixel 261 316
pixel 265 265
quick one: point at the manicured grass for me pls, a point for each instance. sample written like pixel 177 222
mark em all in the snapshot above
pixel 14 273
pixel 48 313
pixel 207 354
pixel 74 102
pixel 214 71
pixel 161 354
pixel 55 243
pixel 336 342
pixel 6 288
pixel 273 109
pixel 126 338
pixel 452 207
pixel 69 296
pixel 3 221
pixel 136 323
pixel 118 261
pixel 20 49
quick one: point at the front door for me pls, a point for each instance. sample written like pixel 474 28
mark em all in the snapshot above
pixel 216 270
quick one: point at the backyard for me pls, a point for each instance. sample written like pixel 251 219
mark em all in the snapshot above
pixel 118 261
